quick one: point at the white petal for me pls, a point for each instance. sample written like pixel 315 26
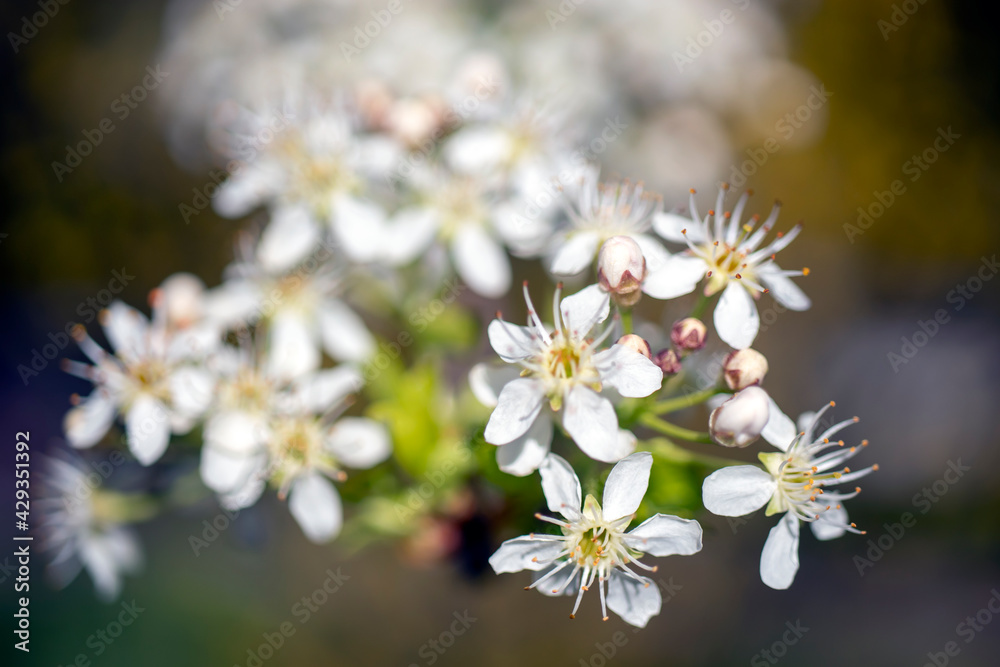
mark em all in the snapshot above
pixel 345 336
pixel 524 553
pixel 591 421
pixel 831 524
pixel 736 318
pixel 652 251
pixel 359 442
pixel 626 485
pixel 583 310
pixel 251 490
pixel 477 149
pixel 517 406
pixel 677 276
pixel 488 380
pixel 783 288
pixel 318 392
pixel 411 230
pixel 147 425
pixel 737 490
pixel 87 423
pixel 635 601
pixel 225 471
pixel 239 433
pixel 561 487
pixel 244 191
pixel 191 390
pixel 779 561
pixel 631 373
pixel 233 303
pixel 106 556
pixel 671 227
pixel 625 445
pixel 315 504
pixel 126 329
pixel 565 582
pixel 360 227
pixel 481 262
pixel 292 346
pixel 513 342
pixel 780 430
pixel 287 239
pixel 576 253
pixel 665 535
pixel 523 456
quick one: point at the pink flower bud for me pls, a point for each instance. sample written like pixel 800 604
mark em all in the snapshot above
pixel 739 421
pixel 743 368
pixel 636 344
pixel 668 361
pixel 621 269
pixel 689 334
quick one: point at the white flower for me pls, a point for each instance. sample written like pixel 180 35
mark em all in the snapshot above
pixel 564 373
pixel 594 545
pixel 310 169
pixel 459 213
pixel 301 310
pixel 796 481
pixel 269 430
pixel 603 211
pixel 82 527
pixel 730 255
pixel 151 380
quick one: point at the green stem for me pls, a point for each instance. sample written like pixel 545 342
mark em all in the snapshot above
pixel 681 402
pixel 626 315
pixel 700 306
pixel 673 430
pixel 668 451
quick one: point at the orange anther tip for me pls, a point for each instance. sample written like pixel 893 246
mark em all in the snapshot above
pixel 805 271
pixel 832 403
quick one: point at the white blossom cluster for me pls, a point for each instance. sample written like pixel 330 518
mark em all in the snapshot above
pixel 365 189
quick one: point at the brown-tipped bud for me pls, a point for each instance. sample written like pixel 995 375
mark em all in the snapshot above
pixel 636 344
pixel 740 420
pixel 689 334
pixel 621 269
pixel 668 361
pixel 744 368
pixel 182 297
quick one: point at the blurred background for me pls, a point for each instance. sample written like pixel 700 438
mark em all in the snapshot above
pixel 824 105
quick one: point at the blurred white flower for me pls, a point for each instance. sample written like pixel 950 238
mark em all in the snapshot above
pixel 154 379
pixel 594 545
pixel 82 526
pixel 795 482
pixel 730 255
pixel 565 372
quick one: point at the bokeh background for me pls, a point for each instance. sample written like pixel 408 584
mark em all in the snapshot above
pixel 892 91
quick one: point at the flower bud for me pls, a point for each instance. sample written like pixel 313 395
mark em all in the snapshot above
pixel 636 344
pixel 182 297
pixel 689 334
pixel 743 368
pixel 668 361
pixel 621 269
pixel 739 421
